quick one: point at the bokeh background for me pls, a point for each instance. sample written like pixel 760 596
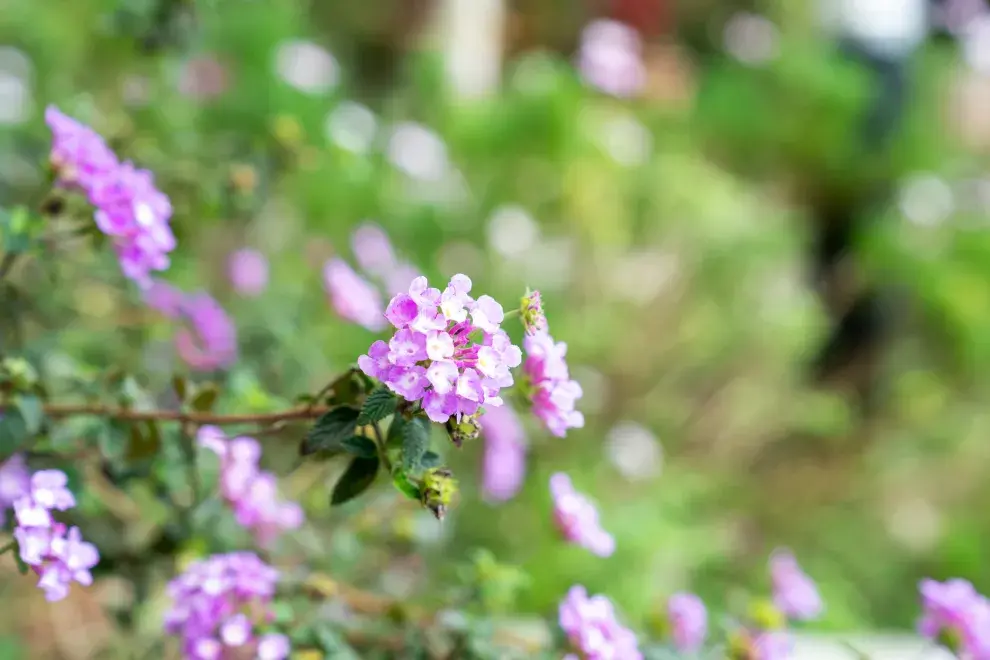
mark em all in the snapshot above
pixel 771 265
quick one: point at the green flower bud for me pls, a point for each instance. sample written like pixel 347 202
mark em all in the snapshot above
pixel 764 615
pixel 438 489
pixel 531 311
pixel 468 428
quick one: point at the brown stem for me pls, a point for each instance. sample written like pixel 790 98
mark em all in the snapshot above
pixel 58 410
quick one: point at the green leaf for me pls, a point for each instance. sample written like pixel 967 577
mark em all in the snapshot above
pixel 31 411
pixel 360 474
pixel 330 431
pixel 394 437
pixel 360 446
pixel 21 566
pixel 143 442
pixel 379 405
pixel 13 432
pixel 405 486
pixel 415 442
pixel 179 385
pixel 430 459
pixel 206 397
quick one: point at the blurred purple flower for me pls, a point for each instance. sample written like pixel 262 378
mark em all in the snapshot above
pixel 15 482
pixel 551 390
pixel 593 629
pixel 688 621
pixel 610 58
pixel 353 298
pixel 248 272
pixel 372 250
pixel 794 593
pixel 953 612
pixel 217 601
pixel 164 298
pixel 79 155
pixel 504 463
pixel 772 646
pixel 251 492
pixel 209 341
pixel 400 277
pixel 577 518
pixel 203 78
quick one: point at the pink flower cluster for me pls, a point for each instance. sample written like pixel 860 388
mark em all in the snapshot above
pixel 794 593
pixel 56 553
pixel 448 351
pixel 252 493
pixel 129 208
pixel 954 610
pixel 611 58
pixel 208 340
pixel 15 481
pixel 549 385
pixel 216 603
pixel 593 629
pixel 355 298
pixel 504 462
pixel 688 621
pixel 247 270
pixel 577 518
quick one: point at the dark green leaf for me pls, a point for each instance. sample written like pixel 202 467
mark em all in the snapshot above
pixel 415 442
pixel 179 385
pixel 360 446
pixel 405 486
pixel 394 437
pixel 330 431
pixel 379 405
pixel 206 397
pixel 21 566
pixel 144 442
pixel 31 412
pixel 13 432
pixel 430 459
pixel 344 390
pixel 360 474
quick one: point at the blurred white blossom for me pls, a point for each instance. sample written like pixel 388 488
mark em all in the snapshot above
pixel 418 152
pixel 634 451
pixel 751 39
pixel 975 38
pixel 16 101
pixel 352 126
pixel 512 232
pixel 306 66
pixel 926 200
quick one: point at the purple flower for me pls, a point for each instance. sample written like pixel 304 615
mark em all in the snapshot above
pixel 56 553
pixel 352 297
pixel 210 339
pixel 577 518
pixel 954 612
pixel 504 463
pixel 794 593
pixel 248 272
pixel 15 482
pixel 688 621
pixel 252 493
pixel 551 390
pixel 216 603
pixel 373 250
pixel 448 349
pixel 80 156
pixel 593 629
pixel 610 58
pixel 772 646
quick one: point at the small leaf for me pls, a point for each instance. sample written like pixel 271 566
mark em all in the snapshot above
pixel 405 486
pixel 13 432
pixel 143 442
pixel 179 385
pixel 379 405
pixel 205 397
pixel 394 437
pixel 343 390
pixel 31 411
pixel 360 474
pixel 360 446
pixel 430 459
pixel 21 565
pixel 415 442
pixel 330 431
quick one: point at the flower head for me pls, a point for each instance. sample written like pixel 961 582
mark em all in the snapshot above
pixel 577 518
pixel 217 601
pixel 15 482
pixel 955 614
pixel 794 593
pixel 610 58
pixel 504 462
pixel 248 272
pixel 353 297
pixel 593 629
pixel 448 350
pixel 251 492
pixel 549 385
pixel 688 621
pixel 533 318
pixel 210 339
pixel 80 156
pixel 373 250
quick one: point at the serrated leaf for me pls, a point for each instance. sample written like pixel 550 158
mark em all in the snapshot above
pixel 379 405
pixel 415 442
pixel 360 446
pixel 13 432
pixel 179 385
pixel 404 485
pixel 330 431
pixel 394 437
pixel 430 459
pixel 32 412
pixel 360 474
pixel 205 398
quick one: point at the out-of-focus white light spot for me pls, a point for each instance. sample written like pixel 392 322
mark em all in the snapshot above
pixel 306 66
pixel 418 151
pixel 975 39
pixel 639 276
pixel 751 39
pixel 512 232
pixel 551 263
pixel 626 140
pixel 634 451
pixel 594 384
pixel 533 74
pixel 136 90
pixel 915 523
pixel 16 100
pixel 889 28
pixel 926 200
pixel 351 126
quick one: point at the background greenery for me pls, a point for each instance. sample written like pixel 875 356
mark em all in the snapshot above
pixel 680 281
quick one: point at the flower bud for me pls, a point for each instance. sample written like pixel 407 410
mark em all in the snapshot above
pixel 439 487
pixel 765 616
pixel 19 373
pixel 533 318
pixel 468 428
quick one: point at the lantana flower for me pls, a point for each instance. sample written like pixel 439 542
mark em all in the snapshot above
pixel 577 518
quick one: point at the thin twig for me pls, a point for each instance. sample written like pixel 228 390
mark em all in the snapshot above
pixel 60 410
